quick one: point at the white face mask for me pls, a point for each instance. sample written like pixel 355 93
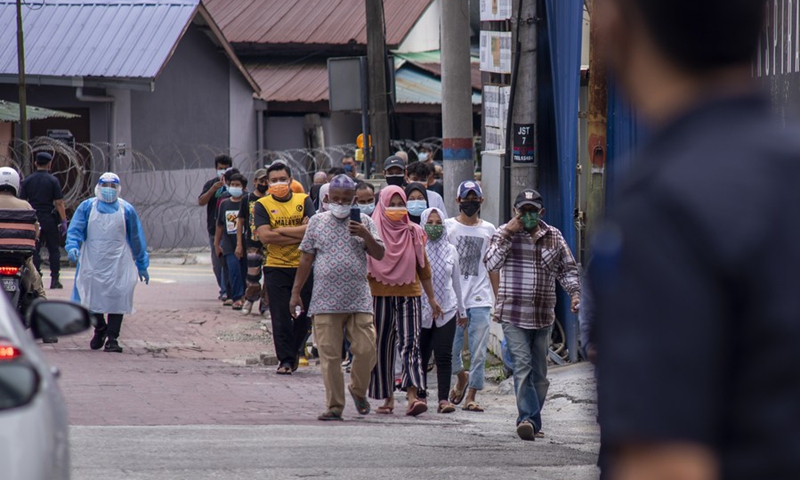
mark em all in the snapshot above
pixel 339 211
pixel 422 156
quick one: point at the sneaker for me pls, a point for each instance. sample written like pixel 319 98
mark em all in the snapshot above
pixel 247 307
pixel 525 431
pixel 112 346
pixel 55 284
pixel 99 338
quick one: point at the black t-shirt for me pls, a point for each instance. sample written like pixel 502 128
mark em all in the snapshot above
pixel 314 194
pixel 437 187
pixel 211 207
pixel 246 213
pixel 41 189
pixel 697 292
pixel 227 219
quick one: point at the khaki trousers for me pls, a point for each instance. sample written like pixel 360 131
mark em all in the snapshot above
pixel 329 331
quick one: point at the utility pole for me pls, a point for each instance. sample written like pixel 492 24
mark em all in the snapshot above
pixel 456 99
pixel 522 132
pixel 23 99
pixel 378 90
pixel 597 128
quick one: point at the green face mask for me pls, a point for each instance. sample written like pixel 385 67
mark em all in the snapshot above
pixel 530 220
pixel 434 231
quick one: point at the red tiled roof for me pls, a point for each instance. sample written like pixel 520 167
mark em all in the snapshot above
pixel 315 22
pixel 291 82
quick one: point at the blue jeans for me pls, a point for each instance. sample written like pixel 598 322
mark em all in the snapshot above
pixel 528 350
pixel 478 337
pixel 236 269
pixel 217 264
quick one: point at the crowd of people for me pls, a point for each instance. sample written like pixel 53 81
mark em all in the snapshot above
pixel 389 283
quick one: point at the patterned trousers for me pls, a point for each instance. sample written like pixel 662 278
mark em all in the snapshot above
pixel 255 291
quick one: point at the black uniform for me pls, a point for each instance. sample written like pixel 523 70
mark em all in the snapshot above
pixel 698 293
pixel 41 189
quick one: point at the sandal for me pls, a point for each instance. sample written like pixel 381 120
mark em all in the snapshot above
pixel 330 415
pixel 228 302
pixel 418 407
pixel 472 407
pixel 456 395
pixel 284 370
pixel 237 305
pixel 385 410
pixel 362 405
pixel 446 407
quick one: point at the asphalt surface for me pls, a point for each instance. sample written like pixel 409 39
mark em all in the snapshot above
pixel 181 403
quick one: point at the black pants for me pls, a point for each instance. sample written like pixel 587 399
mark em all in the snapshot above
pixel 114 324
pixel 289 333
pixel 439 340
pixel 49 236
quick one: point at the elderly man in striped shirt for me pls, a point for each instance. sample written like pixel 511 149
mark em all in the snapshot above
pixel 530 256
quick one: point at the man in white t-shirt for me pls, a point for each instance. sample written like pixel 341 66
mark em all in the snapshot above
pixel 471 237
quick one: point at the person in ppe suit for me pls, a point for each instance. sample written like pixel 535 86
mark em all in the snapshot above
pixel 106 240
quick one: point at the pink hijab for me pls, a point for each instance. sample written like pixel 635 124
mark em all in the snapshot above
pixel 405 244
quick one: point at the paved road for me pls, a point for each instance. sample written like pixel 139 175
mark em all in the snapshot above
pixel 180 403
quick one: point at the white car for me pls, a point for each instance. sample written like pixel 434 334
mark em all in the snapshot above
pixel 33 415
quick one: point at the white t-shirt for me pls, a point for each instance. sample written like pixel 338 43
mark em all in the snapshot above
pixel 471 243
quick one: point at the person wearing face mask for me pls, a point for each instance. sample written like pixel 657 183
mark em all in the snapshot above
pixel 248 243
pixel 280 220
pixel 225 239
pixel 417 201
pixel 337 249
pixel 106 241
pixel 394 171
pixel 471 235
pixel 350 167
pixel 212 191
pixel 365 197
pixel 419 172
pixel 397 282
pixel 438 334
pixel 530 256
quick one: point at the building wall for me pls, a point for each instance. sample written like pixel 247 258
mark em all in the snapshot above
pixel 424 36
pixel 284 132
pixel 243 129
pixel 190 106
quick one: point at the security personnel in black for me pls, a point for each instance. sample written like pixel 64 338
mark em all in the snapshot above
pixel 43 191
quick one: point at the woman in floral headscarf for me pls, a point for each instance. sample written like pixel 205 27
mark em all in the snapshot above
pixel 397 282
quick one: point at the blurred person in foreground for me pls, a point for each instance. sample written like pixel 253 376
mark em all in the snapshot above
pixel 336 248
pixel 695 274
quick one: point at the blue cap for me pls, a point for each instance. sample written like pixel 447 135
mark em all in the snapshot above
pixel 469 186
pixel 43 158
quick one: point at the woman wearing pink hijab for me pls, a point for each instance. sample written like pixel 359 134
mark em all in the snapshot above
pixel 397 282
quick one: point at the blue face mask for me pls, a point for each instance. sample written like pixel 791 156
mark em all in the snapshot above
pixel 108 194
pixel 348 168
pixel 235 191
pixel 367 208
pixel 416 207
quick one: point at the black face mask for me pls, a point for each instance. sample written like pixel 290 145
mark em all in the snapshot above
pixel 470 208
pixel 262 188
pixel 396 181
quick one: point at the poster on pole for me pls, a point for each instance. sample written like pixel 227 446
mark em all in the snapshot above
pixel 495 140
pixel 495 105
pixel 524 143
pixel 495 10
pixel 496 52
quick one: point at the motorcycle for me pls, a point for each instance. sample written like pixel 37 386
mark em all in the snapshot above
pixel 12 269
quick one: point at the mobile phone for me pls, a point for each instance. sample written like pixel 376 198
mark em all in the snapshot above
pixel 355 214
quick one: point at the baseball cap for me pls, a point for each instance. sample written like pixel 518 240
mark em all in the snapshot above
pixel 394 161
pixel 260 173
pixel 529 197
pixel 469 186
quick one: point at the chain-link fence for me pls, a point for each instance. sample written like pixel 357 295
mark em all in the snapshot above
pixel 163 183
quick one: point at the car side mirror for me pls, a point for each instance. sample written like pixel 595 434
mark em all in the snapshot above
pixel 56 318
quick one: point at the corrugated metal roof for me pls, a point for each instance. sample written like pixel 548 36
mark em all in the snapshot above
pixel 74 38
pixel 432 62
pixel 9 112
pixel 415 87
pixel 308 82
pixel 323 22
pixel 291 82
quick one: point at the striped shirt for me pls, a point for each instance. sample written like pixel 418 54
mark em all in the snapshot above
pixel 529 267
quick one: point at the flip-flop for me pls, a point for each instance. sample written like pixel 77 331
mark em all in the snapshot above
pixel 361 403
pixel 456 395
pixel 384 410
pixel 417 408
pixel 330 415
pixel 472 407
pixel 284 370
pixel 446 407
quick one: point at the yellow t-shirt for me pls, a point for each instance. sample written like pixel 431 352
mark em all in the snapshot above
pixel 284 214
